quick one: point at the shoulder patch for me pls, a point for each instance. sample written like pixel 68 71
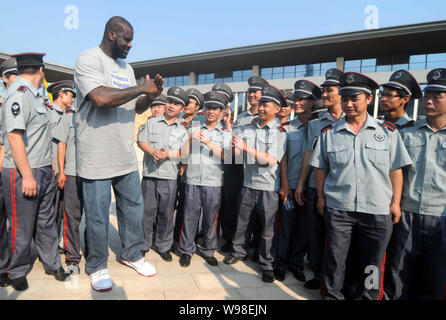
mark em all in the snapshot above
pixel 389 125
pixel 314 117
pixel 324 129
pixel 22 88
pixel 15 109
pixel 286 123
pixel 255 120
pixel 406 125
pixel 185 125
pixel 281 129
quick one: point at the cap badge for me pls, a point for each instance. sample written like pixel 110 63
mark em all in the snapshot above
pixel 436 75
pixel 176 91
pixel 398 75
pixel 302 85
pixel 350 79
pixel 329 73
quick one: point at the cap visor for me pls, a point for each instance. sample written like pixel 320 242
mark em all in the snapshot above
pixel 434 89
pixel 351 92
pixel 302 95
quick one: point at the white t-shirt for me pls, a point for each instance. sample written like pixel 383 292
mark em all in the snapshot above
pixel 104 135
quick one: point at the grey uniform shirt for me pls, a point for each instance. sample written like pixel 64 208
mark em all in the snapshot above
pixel 424 184
pixel 65 132
pixel 31 119
pixel 245 118
pixel 403 120
pixel 358 165
pixel 267 139
pixel 296 146
pixel 158 134
pixel 54 114
pixel 204 168
pixel 314 130
pixel 104 135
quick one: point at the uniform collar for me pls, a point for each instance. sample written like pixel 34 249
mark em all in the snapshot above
pixel 328 116
pixel 26 83
pixel 370 122
pixel 403 120
pixel 218 127
pixel 163 118
pixel 423 123
pixel 272 124
pixel 57 108
pixel 297 123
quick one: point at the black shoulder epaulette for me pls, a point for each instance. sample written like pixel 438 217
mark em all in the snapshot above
pixel 1 104
pixel 406 125
pixel 286 123
pixel 389 125
pixel 314 117
pixel 201 113
pixel 281 129
pixel 185 125
pixel 150 117
pixel 49 107
pixel 70 110
pixel 255 120
pixel 22 88
pixel 326 128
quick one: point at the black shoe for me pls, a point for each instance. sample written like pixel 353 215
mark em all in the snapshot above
pixel 298 274
pixel 4 280
pixel 255 256
pixel 268 276
pixel 19 284
pixel 166 256
pixel 211 261
pixel 185 260
pixel 227 247
pixel 279 274
pixel 231 259
pixel 313 284
pixel 59 274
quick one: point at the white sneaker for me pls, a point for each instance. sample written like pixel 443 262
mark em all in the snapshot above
pixel 100 280
pixel 141 266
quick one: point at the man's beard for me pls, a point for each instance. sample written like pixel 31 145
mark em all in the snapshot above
pixel 117 52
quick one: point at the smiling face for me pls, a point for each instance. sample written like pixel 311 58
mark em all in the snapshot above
pixel 122 42
pixel 284 112
pixel 302 105
pixel 268 111
pixel 191 108
pixel 213 114
pixel 254 97
pixel 158 110
pixel 330 96
pixel 354 106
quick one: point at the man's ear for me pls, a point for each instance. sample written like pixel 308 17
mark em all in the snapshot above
pixel 111 35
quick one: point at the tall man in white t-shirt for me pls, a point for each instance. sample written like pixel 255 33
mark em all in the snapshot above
pixel 108 98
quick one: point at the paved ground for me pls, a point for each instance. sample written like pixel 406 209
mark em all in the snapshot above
pixel 199 281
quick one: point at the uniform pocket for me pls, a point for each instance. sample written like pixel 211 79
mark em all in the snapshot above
pixel 441 153
pixel 378 153
pixel 414 147
pixel 338 155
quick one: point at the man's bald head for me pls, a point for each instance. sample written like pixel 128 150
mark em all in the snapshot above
pixel 116 24
pixel 118 35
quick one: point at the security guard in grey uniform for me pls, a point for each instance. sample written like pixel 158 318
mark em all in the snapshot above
pixel 196 101
pixel 158 106
pixel 8 71
pixel 262 146
pixel 206 151
pixel 359 181
pixel 63 98
pixel 161 138
pixel 27 175
pixel 292 224
pixel 396 94
pixel 307 179
pixel 418 253
pixel 226 120
pixel 233 175
pixel 70 184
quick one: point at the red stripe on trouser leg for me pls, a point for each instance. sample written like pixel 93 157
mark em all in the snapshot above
pixel 215 222
pixel 381 285
pixel 14 212
pixel 65 232
pixel 181 231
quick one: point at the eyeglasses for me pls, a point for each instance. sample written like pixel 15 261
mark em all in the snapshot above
pixel 387 95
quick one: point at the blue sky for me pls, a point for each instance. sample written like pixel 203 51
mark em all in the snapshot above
pixel 171 28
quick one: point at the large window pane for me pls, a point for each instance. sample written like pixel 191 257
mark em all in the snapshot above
pixel 368 62
pixel 417 58
pixel 432 57
pixel 352 64
pixel 246 74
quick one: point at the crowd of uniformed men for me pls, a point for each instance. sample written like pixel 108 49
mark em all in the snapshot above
pixel 363 199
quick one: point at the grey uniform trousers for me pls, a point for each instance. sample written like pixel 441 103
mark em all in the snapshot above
pixel 73 203
pixel 4 248
pixel 373 235
pixel 417 254
pixel 159 204
pixel 59 208
pixel 31 218
pixel 196 198
pixel 264 205
pixel 291 237
pixel 233 182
